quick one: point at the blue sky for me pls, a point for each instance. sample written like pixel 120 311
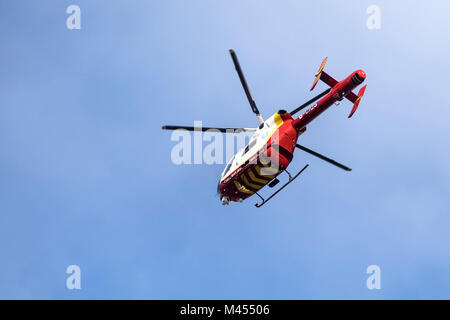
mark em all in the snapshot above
pixel 86 175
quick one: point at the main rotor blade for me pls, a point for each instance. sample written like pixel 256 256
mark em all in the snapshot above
pixel 307 103
pixel 318 155
pixel 224 130
pixel 245 86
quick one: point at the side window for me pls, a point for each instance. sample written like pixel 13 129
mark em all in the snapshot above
pixel 249 146
pixel 228 166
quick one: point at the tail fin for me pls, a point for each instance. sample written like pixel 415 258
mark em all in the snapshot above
pixel 325 77
pixel 356 99
pixel 319 73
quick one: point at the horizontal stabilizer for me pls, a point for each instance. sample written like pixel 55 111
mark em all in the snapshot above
pixel 329 80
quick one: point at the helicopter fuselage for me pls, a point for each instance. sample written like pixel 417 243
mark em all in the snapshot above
pixel 268 153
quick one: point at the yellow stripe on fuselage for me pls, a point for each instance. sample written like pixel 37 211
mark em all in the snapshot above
pixel 278 120
pixel 241 188
pixel 251 185
pixel 255 179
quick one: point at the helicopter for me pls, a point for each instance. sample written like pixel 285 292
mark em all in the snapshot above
pixel 272 145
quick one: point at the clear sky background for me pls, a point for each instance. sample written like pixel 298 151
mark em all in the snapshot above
pixel 86 176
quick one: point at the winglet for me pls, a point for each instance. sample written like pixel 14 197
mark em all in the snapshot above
pixel 319 73
pixel 355 106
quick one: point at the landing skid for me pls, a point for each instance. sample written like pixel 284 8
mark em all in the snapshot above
pixel 281 188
